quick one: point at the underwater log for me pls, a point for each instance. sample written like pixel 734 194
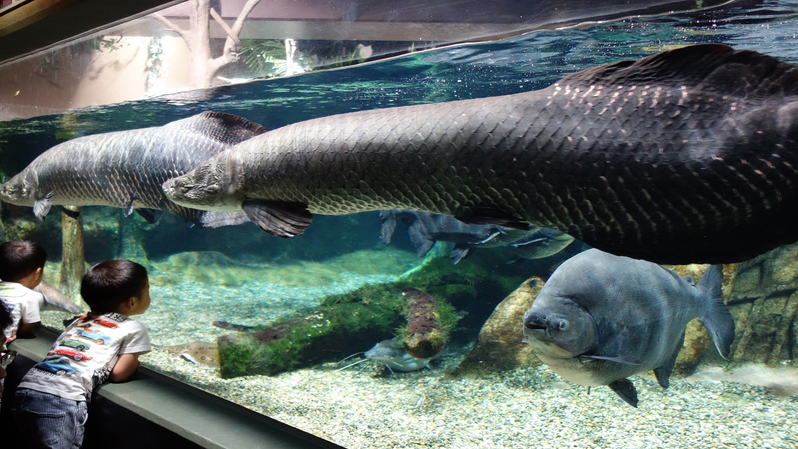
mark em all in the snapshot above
pixel 73 260
pixel 306 340
pixel 348 322
pixel 425 336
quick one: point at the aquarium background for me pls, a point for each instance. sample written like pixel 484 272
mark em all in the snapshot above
pixel 243 276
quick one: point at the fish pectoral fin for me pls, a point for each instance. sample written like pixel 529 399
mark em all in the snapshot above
pixel 626 390
pixel 492 216
pixel 151 215
pixel 388 226
pixel 420 240
pixel 281 218
pixel 616 359
pixel 459 253
pixel 43 205
pixel 129 205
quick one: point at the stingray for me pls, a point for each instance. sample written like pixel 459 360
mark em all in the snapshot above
pixel 196 352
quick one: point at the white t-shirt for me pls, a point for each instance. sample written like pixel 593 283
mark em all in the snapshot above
pixel 84 355
pixel 23 304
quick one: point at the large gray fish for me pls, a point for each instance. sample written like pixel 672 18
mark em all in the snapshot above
pixel 602 318
pixel 126 169
pixel 54 299
pixel 689 155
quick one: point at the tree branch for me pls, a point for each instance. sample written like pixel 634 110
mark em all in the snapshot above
pixel 230 34
pixel 230 52
pixel 171 26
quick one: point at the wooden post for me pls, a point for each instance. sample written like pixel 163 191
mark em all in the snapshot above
pixel 130 240
pixel 72 258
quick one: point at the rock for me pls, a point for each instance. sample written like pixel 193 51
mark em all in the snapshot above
pixel 764 303
pixel 499 346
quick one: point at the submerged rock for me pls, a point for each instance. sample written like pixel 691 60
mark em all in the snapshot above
pixel 764 303
pixel 499 345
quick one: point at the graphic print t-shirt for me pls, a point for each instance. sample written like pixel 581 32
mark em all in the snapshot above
pixel 84 355
pixel 23 304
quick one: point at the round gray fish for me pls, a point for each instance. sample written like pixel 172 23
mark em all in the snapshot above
pixel 601 318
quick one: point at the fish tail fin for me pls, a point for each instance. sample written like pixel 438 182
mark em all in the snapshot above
pixel 718 320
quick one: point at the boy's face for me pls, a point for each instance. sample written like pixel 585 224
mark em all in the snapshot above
pixel 143 302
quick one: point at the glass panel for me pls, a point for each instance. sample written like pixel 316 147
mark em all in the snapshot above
pixel 336 291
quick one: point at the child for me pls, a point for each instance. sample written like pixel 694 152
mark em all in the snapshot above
pixel 21 270
pixel 5 321
pixel 50 403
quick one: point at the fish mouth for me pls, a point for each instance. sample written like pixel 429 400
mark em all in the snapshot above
pixel 534 326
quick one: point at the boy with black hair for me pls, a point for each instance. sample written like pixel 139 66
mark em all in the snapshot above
pixel 50 403
pixel 21 270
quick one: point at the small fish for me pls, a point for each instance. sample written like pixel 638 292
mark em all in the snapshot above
pixel 386 353
pixel 425 229
pixel 54 299
pixel 602 318
pixel 542 243
pixel 394 358
pixel 196 352
pixel 232 326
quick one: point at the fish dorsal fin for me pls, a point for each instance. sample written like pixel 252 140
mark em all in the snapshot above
pixel 222 127
pixel 713 67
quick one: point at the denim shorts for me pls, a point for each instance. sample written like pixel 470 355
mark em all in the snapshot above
pixel 49 421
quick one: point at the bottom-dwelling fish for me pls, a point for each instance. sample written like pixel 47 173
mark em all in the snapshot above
pixel 602 318
pixel 393 357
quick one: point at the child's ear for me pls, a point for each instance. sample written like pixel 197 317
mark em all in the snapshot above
pixel 131 302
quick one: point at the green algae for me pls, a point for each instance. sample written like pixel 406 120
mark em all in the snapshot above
pixel 368 314
pixel 305 340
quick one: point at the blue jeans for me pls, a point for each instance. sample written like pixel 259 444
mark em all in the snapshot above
pixel 49 421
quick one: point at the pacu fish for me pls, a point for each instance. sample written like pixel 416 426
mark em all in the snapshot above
pixel 126 169
pixel 601 318
pixel 671 159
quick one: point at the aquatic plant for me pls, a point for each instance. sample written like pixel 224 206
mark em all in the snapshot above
pixel 371 313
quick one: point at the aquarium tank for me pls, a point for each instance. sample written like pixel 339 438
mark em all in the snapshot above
pixel 387 328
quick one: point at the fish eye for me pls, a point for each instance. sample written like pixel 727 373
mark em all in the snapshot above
pixel 562 325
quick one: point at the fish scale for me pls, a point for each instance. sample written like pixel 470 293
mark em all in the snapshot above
pixel 685 156
pixel 109 169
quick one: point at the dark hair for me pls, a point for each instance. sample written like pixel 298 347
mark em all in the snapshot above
pixel 111 282
pixel 19 259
